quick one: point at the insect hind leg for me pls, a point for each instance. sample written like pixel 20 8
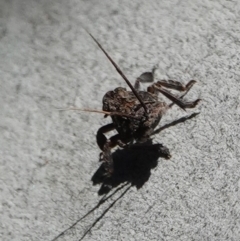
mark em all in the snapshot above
pixel 176 100
pixel 175 85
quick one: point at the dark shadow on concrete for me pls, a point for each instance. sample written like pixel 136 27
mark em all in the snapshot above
pixel 101 202
pixel 133 165
pixel 178 121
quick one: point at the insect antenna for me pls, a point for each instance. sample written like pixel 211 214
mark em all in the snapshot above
pixel 121 73
pixel 111 113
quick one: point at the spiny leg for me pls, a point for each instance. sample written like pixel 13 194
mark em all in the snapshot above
pixel 106 145
pixel 175 85
pixel 115 140
pixel 171 84
pixel 101 138
pixel 106 156
pixel 177 100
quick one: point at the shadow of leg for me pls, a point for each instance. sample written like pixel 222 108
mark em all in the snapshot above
pixel 132 165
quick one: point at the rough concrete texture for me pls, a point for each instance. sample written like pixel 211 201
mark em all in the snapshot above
pixel 48 157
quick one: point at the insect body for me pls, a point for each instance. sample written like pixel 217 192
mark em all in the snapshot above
pixel 125 102
pixel 135 114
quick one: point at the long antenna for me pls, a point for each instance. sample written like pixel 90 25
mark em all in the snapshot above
pixel 111 113
pixel 121 73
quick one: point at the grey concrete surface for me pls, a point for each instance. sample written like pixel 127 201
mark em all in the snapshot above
pixel 48 157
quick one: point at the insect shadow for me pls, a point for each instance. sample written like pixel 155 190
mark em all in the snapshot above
pixel 132 165
pixel 100 203
pixel 133 168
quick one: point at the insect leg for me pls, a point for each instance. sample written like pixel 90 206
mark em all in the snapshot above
pixel 106 145
pixel 101 138
pixel 175 85
pixel 177 100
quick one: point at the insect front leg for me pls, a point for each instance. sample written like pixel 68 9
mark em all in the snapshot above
pixel 106 145
pixel 101 138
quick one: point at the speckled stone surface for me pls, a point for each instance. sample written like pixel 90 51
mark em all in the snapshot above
pixel 48 157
